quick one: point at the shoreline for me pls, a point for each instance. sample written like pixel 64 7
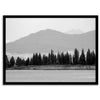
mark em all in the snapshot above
pixel 53 67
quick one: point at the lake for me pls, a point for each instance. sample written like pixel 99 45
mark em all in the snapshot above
pixel 50 75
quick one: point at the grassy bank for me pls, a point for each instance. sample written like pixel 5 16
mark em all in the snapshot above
pixel 53 67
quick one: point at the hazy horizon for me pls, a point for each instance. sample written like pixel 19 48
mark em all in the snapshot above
pixel 17 28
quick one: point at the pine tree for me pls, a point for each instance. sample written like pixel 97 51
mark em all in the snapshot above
pixel 93 58
pixel 22 62
pixel 67 58
pixel 18 61
pixel 82 58
pixel 39 59
pixel 27 62
pixel 52 57
pixel 58 58
pixel 34 59
pixel 70 59
pixel 31 61
pixel 55 59
pixel 7 62
pixel 62 58
pixel 76 57
pixel 45 60
pixel 12 61
pixel 88 57
pixel 49 59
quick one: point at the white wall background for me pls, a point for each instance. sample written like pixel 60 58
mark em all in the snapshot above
pixel 54 7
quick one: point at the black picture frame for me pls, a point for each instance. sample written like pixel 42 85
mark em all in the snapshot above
pixel 49 16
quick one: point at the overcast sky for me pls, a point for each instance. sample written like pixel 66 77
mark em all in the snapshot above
pixel 20 27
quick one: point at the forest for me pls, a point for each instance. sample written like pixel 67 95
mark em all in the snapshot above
pixel 54 59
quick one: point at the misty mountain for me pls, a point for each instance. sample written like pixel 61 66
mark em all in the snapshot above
pixel 45 40
pixel 75 31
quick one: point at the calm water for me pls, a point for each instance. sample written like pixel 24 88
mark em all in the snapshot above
pixel 50 76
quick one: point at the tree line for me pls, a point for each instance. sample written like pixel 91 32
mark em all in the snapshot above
pixel 53 59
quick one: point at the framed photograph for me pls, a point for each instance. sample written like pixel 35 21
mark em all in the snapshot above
pixel 50 49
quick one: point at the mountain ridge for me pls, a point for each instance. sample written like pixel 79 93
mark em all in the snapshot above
pixel 45 40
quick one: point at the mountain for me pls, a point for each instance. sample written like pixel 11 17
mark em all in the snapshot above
pixel 45 40
pixel 75 31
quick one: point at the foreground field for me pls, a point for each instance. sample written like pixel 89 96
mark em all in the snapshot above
pixel 50 75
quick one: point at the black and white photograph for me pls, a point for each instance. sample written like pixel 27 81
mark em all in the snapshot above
pixel 50 49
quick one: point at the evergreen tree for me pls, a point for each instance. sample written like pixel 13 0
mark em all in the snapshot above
pixel 12 61
pixel 49 58
pixel 27 62
pixel 45 60
pixel 22 62
pixel 82 58
pixel 31 61
pixel 93 58
pixel 7 62
pixel 39 59
pixel 52 57
pixel 34 59
pixel 59 58
pixel 55 59
pixel 76 57
pixel 18 61
pixel 62 58
pixel 70 59
pixel 88 57
pixel 67 58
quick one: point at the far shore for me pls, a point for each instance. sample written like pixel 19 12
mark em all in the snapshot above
pixel 53 67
